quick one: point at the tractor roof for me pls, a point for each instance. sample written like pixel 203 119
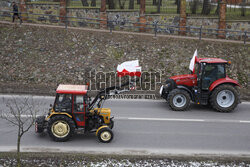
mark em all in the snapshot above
pixel 211 60
pixel 72 89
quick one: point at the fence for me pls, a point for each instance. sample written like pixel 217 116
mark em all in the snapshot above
pixel 128 25
pixel 236 9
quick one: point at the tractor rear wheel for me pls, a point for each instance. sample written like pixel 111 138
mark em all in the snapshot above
pixel 39 124
pixel 105 135
pixel 224 98
pixel 179 99
pixel 61 128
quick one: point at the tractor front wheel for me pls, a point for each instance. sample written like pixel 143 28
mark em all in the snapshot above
pixel 179 100
pixel 224 98
pixel 61 128
pixel 105 134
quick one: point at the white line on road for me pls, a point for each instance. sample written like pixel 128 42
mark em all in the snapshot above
pixel 185 120
pixel 166 119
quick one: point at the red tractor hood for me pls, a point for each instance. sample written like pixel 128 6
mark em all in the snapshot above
pixel 187 79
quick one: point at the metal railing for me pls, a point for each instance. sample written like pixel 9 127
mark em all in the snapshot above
pixel 128 25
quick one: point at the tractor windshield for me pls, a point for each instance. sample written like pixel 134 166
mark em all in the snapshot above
pixel 211 73
pixel 63 103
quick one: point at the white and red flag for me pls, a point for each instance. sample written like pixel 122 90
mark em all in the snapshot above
pixel 193 61
pixel 130 68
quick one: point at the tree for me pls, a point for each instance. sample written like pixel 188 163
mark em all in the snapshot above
pixel 217 11
pixel 243 8
pixel 22 114
pixel 122 3
pixel 111 4
pixel 206 7
pixel 178 3
pixel 93 2
pixel 131 4
pixel 85 3
pixel 159 4
pixel 194 5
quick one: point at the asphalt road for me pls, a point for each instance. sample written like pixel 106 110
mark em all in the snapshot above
pixel 147 127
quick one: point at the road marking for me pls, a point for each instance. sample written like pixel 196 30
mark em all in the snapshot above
pixel 242 121
pixel 162 119
pixel 168 119
pixel 184 120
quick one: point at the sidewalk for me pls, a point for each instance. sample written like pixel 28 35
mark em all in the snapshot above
pixel 129 33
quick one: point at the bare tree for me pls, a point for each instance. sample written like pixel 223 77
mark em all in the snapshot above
pixel 159 4
pixel 22 114
pixel 206 7
pixel 131 4
pixel 194 6
pixel 93 2
pixel 85 3
pixel 111 4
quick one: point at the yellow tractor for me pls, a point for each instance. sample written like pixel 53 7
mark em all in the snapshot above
pixel 73 109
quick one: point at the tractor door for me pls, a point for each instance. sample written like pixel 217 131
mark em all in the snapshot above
pixel 211 73
pixel 79 110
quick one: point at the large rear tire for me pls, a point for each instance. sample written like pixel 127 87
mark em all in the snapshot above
pixel 105 135
pixel 178 100
pixel 224 98
pixel 39 124
pixel 61 128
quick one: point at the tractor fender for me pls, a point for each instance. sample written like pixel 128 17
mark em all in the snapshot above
pixel 104 126
pixel 226 80
pixel 58 113
pixel 188 90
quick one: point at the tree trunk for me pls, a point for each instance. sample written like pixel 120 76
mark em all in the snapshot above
pixel 178 3
pixel 154 2
pixel 243 8
pixel 111 4
pixel 217 11
pixel 93 2
pixel 18 148
pixel 206 7
pixel 131 4
pixel 194 6
pixel 159 6
pixel 85 3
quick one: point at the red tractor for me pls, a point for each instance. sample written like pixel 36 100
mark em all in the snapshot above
pixel 207 84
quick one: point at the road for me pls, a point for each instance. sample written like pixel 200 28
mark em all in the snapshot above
pixel 148 127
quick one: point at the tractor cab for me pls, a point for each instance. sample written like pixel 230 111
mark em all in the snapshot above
pixel 72 100
pixel 209 70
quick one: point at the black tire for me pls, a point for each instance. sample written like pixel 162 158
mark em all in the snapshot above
pixel 111 125
pixel 222 104
pixel 105 135
pixel 66 123
pixel 179 97
pixel 39 124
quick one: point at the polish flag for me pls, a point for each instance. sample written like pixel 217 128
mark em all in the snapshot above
pixel 193 61
pixel 130 68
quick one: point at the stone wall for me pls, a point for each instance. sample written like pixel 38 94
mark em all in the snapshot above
pixel 91 13
pixel 51 11
pixel 120 19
